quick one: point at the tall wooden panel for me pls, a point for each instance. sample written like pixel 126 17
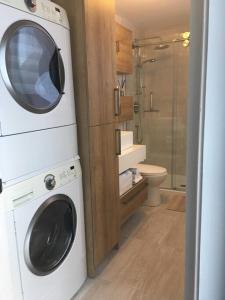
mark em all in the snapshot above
pixel 104 174
pixel 100 49
pixel 92 36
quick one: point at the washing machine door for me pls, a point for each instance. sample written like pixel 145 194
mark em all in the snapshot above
pixel 50 235
pixel 32 67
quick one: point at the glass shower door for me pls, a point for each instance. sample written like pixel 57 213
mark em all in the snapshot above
pixel 157 112
pixel 162 94
pixel 181 63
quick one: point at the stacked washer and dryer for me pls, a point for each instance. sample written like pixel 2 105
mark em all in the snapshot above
pixel 42 242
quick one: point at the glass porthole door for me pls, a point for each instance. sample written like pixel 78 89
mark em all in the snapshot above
pixel 50 235
pixel 32 67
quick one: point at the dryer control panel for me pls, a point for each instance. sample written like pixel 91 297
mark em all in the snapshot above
pixel 40 8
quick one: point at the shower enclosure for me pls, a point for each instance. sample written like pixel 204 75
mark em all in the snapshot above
pixel 161 91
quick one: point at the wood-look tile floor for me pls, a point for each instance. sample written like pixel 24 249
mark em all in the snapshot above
pixel 149 264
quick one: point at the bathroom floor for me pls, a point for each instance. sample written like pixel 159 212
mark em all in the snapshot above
pixel 150 262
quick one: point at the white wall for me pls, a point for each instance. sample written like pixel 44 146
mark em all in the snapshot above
pixel 126 23
pixel 205 247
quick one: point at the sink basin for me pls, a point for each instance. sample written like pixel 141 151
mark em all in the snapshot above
pixel 127 140
pixel 131 156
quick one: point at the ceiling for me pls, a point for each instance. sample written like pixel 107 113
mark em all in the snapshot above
pixel 155 15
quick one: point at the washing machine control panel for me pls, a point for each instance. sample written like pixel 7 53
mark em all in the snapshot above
pixel 66 174
pixel 37 186
pixel 62 176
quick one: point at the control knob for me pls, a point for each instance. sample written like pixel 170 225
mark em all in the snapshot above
pixel 31 4
pixel 50 182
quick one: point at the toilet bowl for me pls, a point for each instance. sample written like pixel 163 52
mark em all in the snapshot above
pixel 155 176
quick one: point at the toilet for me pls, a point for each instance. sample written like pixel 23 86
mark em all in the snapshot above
pixel 156 176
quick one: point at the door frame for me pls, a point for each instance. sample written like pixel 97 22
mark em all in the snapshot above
pixel 196 114
pixel 205 222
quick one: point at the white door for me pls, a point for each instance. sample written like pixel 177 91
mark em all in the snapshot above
pixel 50 235
pixel 33 70
pixel 36 85
pixel 205 243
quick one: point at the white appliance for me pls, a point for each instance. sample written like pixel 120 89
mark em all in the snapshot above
pixel 36 86
pixel 44 236
pixel 37 115
pixel 32 152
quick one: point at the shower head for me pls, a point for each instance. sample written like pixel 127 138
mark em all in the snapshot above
pixel 162 47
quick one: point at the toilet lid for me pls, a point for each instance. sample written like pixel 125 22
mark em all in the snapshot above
pixel 149 170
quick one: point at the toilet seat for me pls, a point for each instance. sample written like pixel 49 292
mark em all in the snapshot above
pixel 151 170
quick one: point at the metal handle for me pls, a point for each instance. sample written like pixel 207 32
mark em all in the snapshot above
pixel 151 101
pixel 61 72
pixel 22 199
pixel 117 46
pixel 117 100
pixel 118 142
pixel 151 108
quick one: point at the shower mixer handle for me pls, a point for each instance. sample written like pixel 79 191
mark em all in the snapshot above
pixel 151 101
pixel 152 109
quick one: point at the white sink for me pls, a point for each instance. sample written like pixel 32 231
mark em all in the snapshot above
pixel 127 140
pixel 131 156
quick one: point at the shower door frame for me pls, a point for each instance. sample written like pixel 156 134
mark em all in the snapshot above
pixel 174 106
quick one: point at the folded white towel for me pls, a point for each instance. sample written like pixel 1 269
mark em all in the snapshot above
pixel 136 175
pixel 137 179
pixel 125 182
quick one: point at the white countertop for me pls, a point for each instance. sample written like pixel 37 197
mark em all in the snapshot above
pixel 131 156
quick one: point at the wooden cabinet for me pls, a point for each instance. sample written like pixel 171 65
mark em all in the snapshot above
pixel 124 57
pixel 126 109
pixel 104 174
pixel 99 46
pixel 93 53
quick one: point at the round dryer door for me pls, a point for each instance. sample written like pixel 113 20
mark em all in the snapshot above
pixel 50 235
pixel 32 67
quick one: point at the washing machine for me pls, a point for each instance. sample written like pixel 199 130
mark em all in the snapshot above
pixel 36 85
pixel 44 240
